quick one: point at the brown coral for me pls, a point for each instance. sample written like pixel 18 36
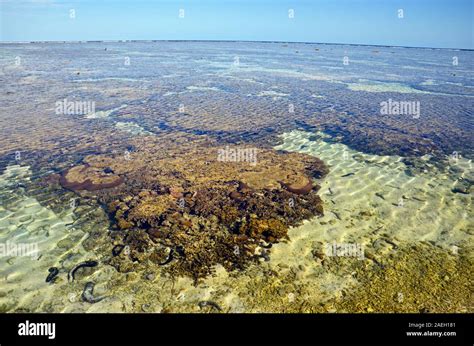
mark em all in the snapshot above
pixel 85 177
pixel 206 211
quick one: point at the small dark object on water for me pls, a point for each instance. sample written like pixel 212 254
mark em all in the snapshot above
pixel 378 229
pixel 337 215
pixel 379 195
pixel 373 259
pixel 169 259
pixel 347 175
pixel 117 250
pixel 180 251
pixel 208 303
pixel 395 246
pixel 88 294
pixel 462 190
pixel 264 254
pixel 91 264
pixel 53 272
pixel 462 186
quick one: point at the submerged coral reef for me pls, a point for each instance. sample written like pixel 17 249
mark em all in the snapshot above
pixel 191 211
pixel 140 188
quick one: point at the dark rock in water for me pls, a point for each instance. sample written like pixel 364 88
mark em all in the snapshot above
pixel 88 294
pixel 117 250
pixel 150 276
pixel 460 190
pixel 378 194
pixel 86 264
pixel 53 273
pixel 210 304
pixel 462 186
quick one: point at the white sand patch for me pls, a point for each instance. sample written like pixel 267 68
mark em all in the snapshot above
pixel 272 93
pixel 373 86
pixel 201 88
pixel 132 128
pixel 367 197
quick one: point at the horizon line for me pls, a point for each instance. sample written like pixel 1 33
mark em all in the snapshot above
pixel 244 41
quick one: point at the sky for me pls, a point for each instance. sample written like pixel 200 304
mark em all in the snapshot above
pixel 423 23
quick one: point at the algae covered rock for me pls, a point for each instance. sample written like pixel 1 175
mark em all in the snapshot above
pixel 86 177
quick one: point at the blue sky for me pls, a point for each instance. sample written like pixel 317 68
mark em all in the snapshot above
pixel 425 23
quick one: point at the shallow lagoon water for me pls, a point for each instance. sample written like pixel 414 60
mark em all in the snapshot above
pixel 393 182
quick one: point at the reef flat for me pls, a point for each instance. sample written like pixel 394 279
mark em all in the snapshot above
pixel 197 184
